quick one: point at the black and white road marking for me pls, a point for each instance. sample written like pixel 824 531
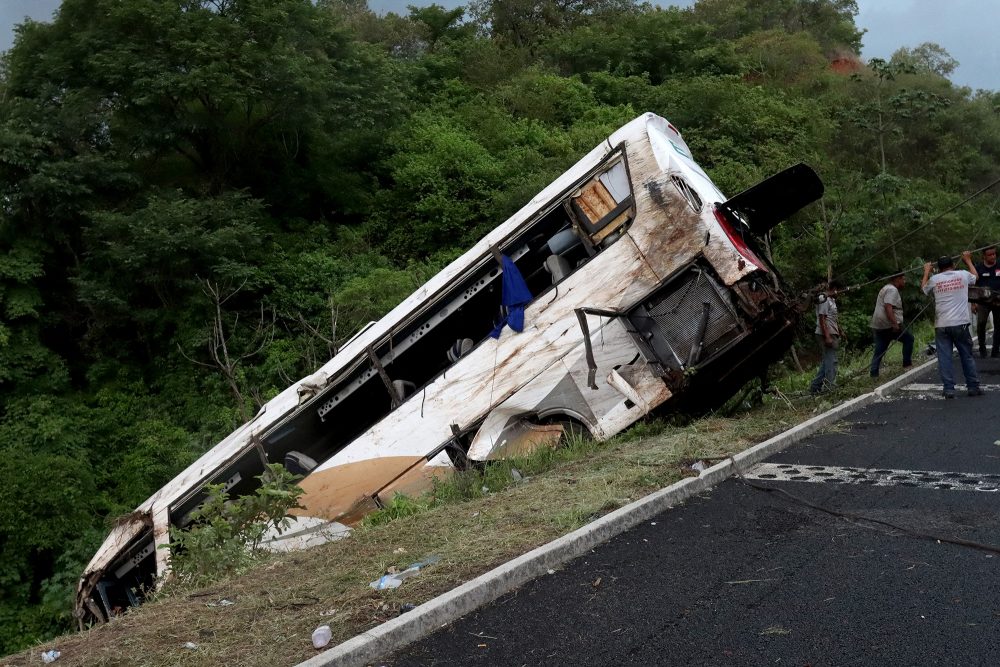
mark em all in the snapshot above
pixel 926 479
pixel 920 386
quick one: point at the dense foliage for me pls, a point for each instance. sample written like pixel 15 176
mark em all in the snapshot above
pixel 227 532
pixel 201 199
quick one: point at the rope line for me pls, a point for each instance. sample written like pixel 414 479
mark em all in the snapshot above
pixel 914 269
pixel 921 227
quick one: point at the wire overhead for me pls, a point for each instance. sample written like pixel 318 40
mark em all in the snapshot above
pixel 911 233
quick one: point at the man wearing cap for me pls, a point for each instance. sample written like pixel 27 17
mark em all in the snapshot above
pixel 988 275
pixel 951 321
pixel 887 324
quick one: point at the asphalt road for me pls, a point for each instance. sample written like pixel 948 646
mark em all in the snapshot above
pixel 741 575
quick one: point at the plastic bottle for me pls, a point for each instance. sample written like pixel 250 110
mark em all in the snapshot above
pixel 321 636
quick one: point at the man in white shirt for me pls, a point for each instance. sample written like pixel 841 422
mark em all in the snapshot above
pixel 828 335
pixel 951 321
pixel 887 324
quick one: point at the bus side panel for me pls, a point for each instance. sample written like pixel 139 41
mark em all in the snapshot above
pixel 348 491
pixel 627 389
pixel 492 373
pixel 667 232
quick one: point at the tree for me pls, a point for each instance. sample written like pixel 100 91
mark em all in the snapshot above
pixel 831 22
pixel 525 23
pixel 927 57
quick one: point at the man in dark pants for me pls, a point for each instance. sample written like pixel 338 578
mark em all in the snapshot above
pixel 988 275
pixel 887 324
pixel 951 321
pixel 828 335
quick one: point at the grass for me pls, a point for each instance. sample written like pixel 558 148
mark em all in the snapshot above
pixel 474 522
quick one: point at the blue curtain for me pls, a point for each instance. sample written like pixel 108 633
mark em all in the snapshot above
pixel 515 297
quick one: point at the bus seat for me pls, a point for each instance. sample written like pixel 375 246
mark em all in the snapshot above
pixel 611 238
pixel 558 267
pixel 459 349
pixel 298 463
pixel 563 241
pixel 403 388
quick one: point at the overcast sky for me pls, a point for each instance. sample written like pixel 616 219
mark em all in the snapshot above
pixel 965 28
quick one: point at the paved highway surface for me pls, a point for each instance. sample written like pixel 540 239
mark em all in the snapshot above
pixel 742 576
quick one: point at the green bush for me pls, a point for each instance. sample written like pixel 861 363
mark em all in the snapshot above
pixel 226 533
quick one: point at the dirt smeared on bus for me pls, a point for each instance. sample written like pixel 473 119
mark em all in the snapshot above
pixel 627 284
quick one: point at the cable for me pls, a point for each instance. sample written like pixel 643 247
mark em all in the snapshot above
pixel 861 517
pixel 858 286
pixel 926 224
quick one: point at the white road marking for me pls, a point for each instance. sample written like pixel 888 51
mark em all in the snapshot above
pixel 919 386
pixel 925 479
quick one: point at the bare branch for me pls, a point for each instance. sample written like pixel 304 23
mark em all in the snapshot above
pixel 193 361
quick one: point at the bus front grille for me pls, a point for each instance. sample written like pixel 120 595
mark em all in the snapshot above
pixel 672 319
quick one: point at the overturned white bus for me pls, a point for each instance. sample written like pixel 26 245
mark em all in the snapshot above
pixel 644 286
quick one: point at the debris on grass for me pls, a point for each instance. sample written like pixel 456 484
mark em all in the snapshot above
pixel 394 578
pixel 321 636
pixel 50 656
pixel 224 602
pixel 474 532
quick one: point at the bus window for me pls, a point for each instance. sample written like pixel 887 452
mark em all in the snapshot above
pixel 690 196
pixel 604 204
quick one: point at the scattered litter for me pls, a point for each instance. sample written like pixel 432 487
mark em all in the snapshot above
pixel 475 514
pixel 699 466
pixel 652 523
pixel 776 630
pixel 996 442
pixel 328 612
pixel 321 636
pixel 224 602
pixel 394 579
pixel 400 550
pixel 481 646
pixel 486 489
pixel 50 656
pixel 597 583
pixel 405 607
pixel 552 571
pixel 740 582
pixel 516 474
pixel 190 645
